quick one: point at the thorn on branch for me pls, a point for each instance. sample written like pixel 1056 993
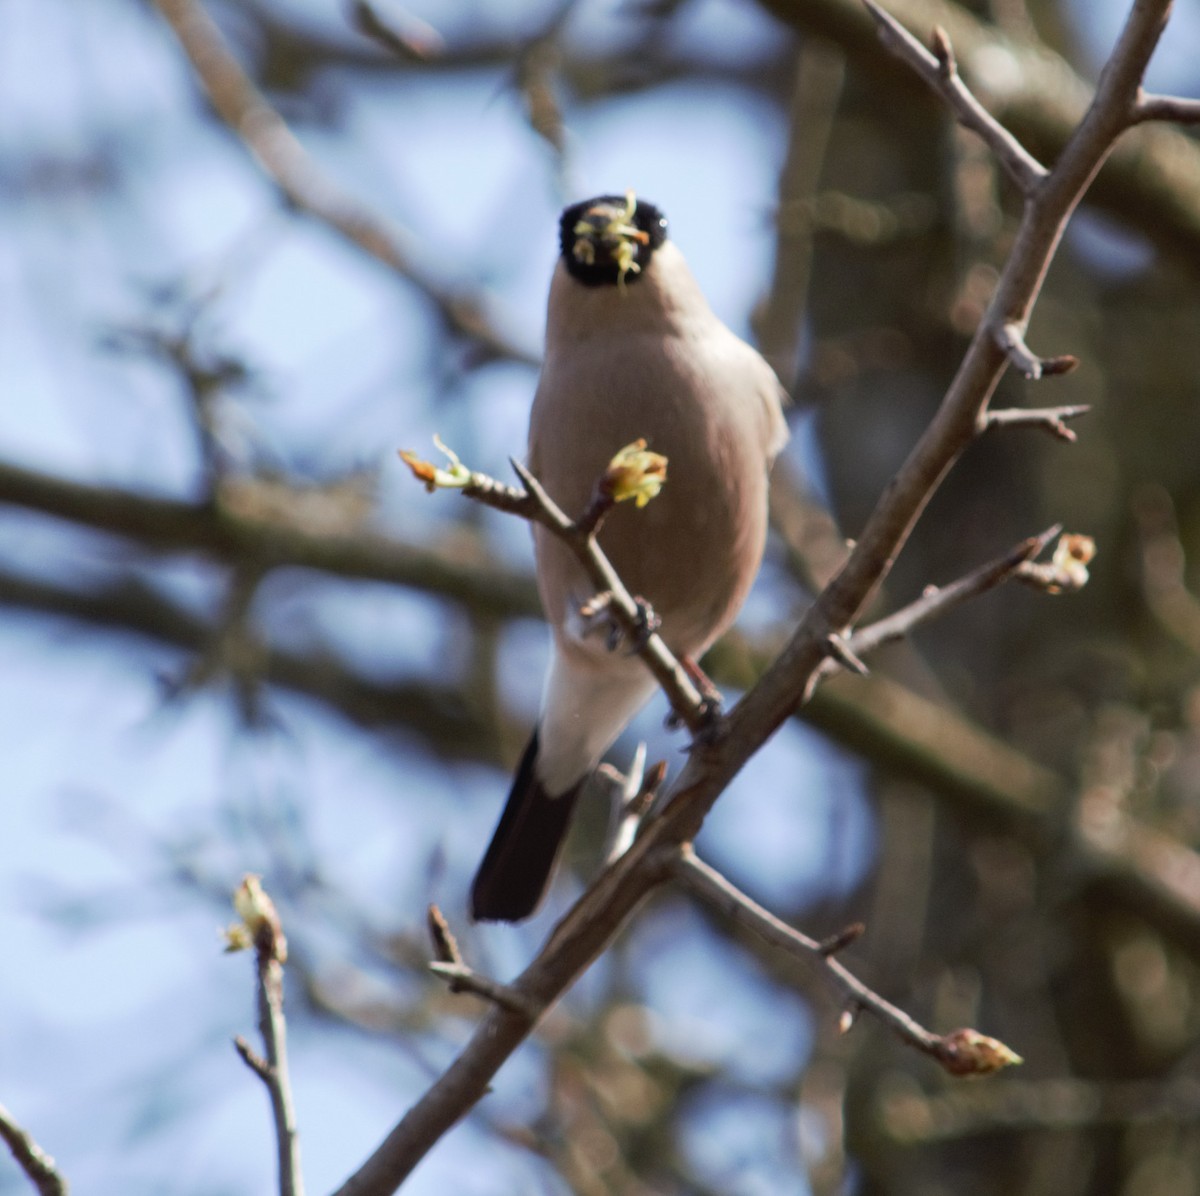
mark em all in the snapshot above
pixel 253 1060
pixel 445 945
pixel 838 649
pixel 840 941
pixel 550 513
pixel 634 795
pixel 413 41
pixel 1049 419
pixel 943 51
pixel 1011 339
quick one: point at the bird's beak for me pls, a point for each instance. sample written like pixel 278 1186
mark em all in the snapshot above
pixel 606 235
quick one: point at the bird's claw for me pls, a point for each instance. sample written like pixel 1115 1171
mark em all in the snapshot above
pixel 708 716
pixel 597 615
pixel 708 725
pixel 647 624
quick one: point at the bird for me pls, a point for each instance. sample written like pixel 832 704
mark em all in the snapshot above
pixel 632 352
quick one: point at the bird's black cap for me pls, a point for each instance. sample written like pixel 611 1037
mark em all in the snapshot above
pixel 609 240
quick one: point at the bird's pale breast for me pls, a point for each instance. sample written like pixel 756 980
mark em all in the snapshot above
pixel 702 400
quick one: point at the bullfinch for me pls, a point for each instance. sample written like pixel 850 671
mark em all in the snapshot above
pixel 633 351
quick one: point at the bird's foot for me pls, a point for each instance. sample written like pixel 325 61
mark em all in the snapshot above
pixel 596 616
pixel 708 726
pixel 647 624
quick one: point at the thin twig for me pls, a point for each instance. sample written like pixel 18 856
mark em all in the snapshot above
pixel 261 922
pixel 31 1158
pixel 273 1027
pixel 952 1051
pixel 940 71
pixel 240 104
pixel 937 600
pixel 464 979
pixel 1049 419
pixel 579 535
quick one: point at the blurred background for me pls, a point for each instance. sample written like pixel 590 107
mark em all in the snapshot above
pixel 252 249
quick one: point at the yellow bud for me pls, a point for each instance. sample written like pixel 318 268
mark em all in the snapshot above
pixel 635 473
pixel 259 917
pixel 237 937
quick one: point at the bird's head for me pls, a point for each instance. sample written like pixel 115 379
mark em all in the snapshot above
pixel 608 241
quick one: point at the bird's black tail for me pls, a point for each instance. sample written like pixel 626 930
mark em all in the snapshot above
pixel 516 870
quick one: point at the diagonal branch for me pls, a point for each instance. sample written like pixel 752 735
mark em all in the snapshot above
pixel 635 620
pixel 31 1158
pixel 937 600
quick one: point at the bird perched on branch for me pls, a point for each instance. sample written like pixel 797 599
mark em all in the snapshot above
pixel 633 351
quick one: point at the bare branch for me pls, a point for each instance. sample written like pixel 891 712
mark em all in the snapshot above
pixel 1175 109
pixel 261 923
pixel 464 979
pixel 279 152
pixel 938 599
pixel 31 1158
pixel 632 615
pixel 1147 182
pixel 243 526
pixel 952 1051
pixel 1049 419
pixel 940 71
